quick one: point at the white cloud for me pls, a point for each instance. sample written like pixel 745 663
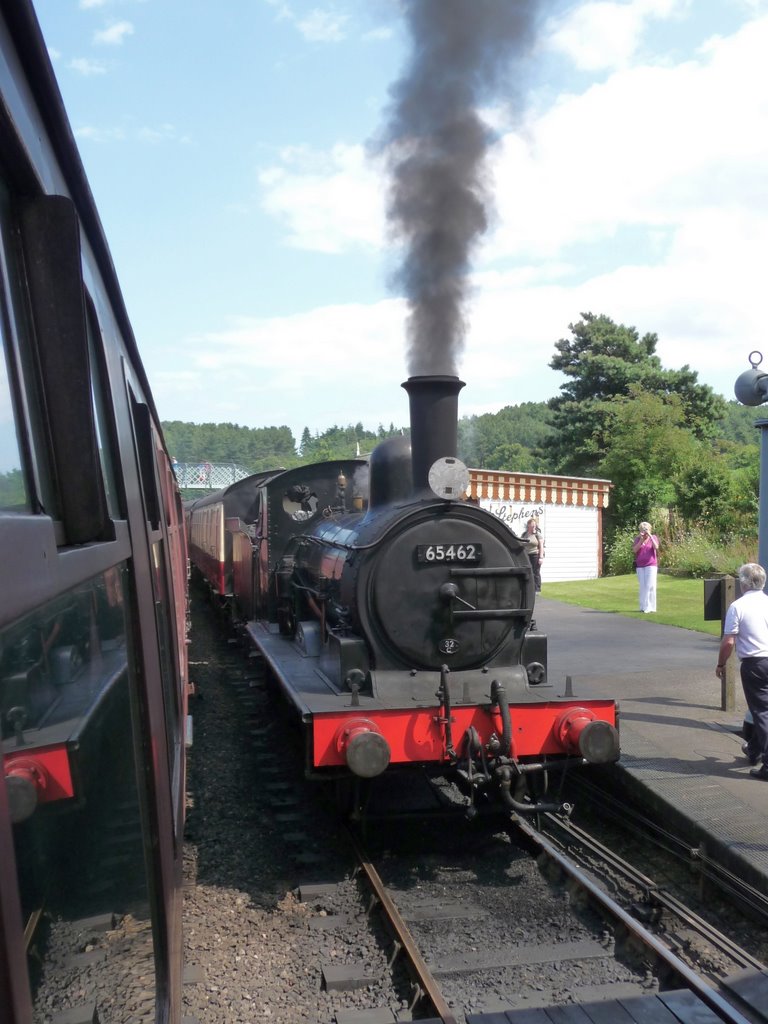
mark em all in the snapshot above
pixel 282 9
pixel 328 202
pixel 603 34
pixel 93 134
pixel 648 148
pixel 161 133
pixel 114 35
pixel 642 198
pixel 86 5
pixel 151 134
pixel 322 26
pixel 381 34
pixel 267 370
pixel 87 67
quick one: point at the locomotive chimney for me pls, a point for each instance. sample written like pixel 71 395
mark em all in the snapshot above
pixel 434 402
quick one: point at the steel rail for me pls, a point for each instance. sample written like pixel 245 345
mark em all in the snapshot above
pixel 708 995
pixel 424 977
pixel 31 927
pixel 659 895
pixel 651 831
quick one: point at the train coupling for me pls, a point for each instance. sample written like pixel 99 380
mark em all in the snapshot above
pixel 505 778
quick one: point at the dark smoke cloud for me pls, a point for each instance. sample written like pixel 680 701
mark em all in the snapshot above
pixel 438 204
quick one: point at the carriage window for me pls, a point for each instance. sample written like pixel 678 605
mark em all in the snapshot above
pixel 13 489
pixel 163 618
pixel 102 412
pixel 67 703
pixel 142 425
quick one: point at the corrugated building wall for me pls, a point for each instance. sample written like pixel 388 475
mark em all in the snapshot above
pixel 569 511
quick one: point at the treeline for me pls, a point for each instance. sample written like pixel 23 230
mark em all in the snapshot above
pixel 252 448
pixel 517 437
pixel 512 438
pixel 676 452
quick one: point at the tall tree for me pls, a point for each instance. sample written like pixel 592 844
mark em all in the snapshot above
pixel 508 439
pixel 305 444
pixel 602 360
pixel 738 423
pixel 650 450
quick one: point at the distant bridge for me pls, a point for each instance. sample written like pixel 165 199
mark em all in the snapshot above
pixel 208 475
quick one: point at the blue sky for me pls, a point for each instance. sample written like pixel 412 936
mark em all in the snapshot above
pixel 227 146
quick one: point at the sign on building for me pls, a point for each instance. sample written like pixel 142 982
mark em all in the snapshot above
pixel 568 510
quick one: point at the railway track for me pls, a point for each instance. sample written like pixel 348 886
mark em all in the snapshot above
pixel 648 900
pixel 650 834
pixel 468 920
pixel 738 996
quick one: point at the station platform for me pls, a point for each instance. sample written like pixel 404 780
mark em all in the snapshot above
pixel 680 753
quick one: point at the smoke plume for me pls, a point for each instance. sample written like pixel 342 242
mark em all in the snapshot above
pixel 438 204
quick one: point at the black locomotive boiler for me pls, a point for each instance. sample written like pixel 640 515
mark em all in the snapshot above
pixel 399 631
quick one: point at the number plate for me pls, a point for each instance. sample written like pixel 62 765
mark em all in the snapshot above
pixel 471 553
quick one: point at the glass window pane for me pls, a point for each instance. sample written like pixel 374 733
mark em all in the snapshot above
pixel 66 704
pixel 163 612
pixel 13 488
pixel 14 418
pixel 102 416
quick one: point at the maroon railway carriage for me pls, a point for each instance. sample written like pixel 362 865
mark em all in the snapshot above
pixel 395 617
pixel 93 678
pixel 232 532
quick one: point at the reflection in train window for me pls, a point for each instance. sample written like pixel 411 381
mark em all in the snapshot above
pixel 66 700
pixel 163 619
pixel 13 488
pixel 102 411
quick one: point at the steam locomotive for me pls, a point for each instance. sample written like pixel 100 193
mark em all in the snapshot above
pixel 93 658
pixel 394 616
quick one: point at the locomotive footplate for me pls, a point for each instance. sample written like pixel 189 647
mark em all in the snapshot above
pixel 400 718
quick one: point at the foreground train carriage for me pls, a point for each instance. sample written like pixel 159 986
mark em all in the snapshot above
pixel 92 603
pixel 395 617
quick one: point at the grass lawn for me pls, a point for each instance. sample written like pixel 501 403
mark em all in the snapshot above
pixel 680 602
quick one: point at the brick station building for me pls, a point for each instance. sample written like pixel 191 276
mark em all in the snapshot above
pixel 569 511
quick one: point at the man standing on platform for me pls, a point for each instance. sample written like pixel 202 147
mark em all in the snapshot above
pixel 746 629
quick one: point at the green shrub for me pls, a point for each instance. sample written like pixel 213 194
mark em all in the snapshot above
pixel 619 557
pixel 686 551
